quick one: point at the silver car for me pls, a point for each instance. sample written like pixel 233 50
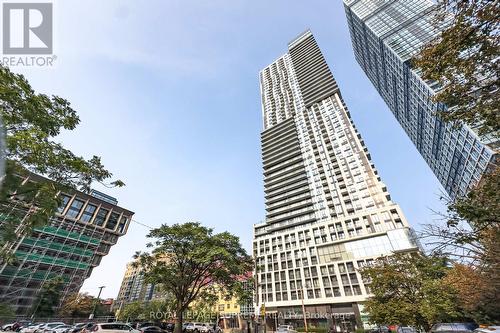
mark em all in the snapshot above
pixel 286 329
pixel 48 327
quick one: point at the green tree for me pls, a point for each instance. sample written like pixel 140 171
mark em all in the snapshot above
pixel 157 310
pixel 188 258
pixel 463 59
pixel 244 290
pixel 6 311
pixel 131 312
pixel 478 293
pixel 203 306
pixel 77 305
pixel 408 289
pixel 49 298
pixel 471 237
pixel 31 124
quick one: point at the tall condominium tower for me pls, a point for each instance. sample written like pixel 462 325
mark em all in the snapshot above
pixel 135 289
pixel 385 35
pixel 327 211
pixel 69 246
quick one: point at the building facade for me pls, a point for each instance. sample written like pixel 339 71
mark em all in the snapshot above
pixel 132 288
pixel 327 211
pixel 135 289
pixel 385 35
pixel 70 246
pixel 232 314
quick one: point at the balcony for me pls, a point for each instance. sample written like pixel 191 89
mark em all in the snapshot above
pixel 297 220
pixel 288 201
pixel 282 189
pixel 291 215
pixel 284 182
pixel 286 195
pixel 282 165
pixel 284 173
pixel 277 145
pixel 290 208
pixel 280 155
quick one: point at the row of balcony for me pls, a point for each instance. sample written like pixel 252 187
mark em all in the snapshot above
pixel 290 200
pixel 289 208
pixel 302 183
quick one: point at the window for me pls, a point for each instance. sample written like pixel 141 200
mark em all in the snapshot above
pixel 75 208
pixel 112 221
pixel 123 223
pixel 88 212
pixel 64 201
pixel 101 217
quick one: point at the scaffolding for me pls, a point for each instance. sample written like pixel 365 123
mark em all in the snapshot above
pixel 65 247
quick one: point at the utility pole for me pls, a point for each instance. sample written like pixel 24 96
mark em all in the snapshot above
pixel 97 301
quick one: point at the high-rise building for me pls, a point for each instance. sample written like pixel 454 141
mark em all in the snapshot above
pixel 327 211
pixel 385 35
pixel 134 288
pixel 69 246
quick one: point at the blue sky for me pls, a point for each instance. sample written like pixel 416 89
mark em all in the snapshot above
pixel 168 95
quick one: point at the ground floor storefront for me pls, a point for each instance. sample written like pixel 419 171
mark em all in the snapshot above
pixel 340 318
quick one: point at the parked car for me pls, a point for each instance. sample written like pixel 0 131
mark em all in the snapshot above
pixel 489 329
pixel 7 327
pixel 195 327
pixel 15 326
pixel 453 327
pixel 168 326
pixel 22 324
pixel 146 324
pixel 286 329
pixel 83 327
pixel 112 328
pixel 185 325
pixel 380 329
pixel 78 327
pixel 62 329
pixel 48 327
pixel 406 329
pixel 151 329
pixel 31 328
pixel 207 328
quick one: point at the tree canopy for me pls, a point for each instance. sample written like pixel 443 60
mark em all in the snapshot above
pixel 32 123
pixel 471 237
pixel 463 59
pixel 80 305
pixel 186 259
pixel 408 289
pixel 49 298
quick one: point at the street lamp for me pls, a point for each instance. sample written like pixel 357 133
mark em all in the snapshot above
pixel 97 301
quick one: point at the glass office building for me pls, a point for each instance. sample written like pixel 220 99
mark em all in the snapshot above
pixel 385 35
pixel 327 211
pixel 69 246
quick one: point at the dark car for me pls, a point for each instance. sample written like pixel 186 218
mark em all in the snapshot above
pixel 151 329
pixel 20 325
pixel 146 324
pixel 82 327
pixel 453 328
pixel 167 326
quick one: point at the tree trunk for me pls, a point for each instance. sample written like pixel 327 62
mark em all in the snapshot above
pixel 178 321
